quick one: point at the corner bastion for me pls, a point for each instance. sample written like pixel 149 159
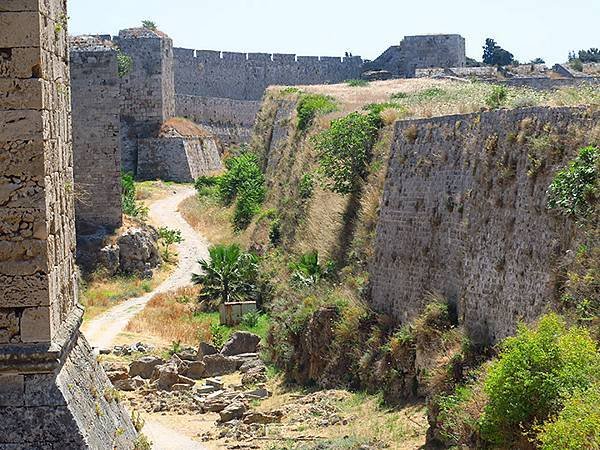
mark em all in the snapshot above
pixel 51 387
pixel 464 214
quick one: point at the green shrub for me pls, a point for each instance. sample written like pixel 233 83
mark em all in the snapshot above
pixel 308 270
pixel 357 83
pixel 148 24
pixel 168 237
pixel 577 427
pixel 345 150
pixel 430 93
pixel 124 63
pixel 243 182
pixel 310 105
pixel 306 186
pixel 228 276
pixel 574 191
pixel 497 97
pixel 576 65
pixel 207 186
pixel 218 335
pixel 275 231
pixel 131 206
pixel 536 372
pixel 250 319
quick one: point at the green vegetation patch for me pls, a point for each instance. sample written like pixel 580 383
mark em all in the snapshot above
pixel 345 150
pixel 311 105
pixel 575 189
pixel 131 206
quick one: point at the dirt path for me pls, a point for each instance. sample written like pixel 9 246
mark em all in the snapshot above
pixel 102 330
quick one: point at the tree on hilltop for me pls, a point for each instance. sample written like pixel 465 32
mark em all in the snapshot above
pixel 494 55
pixel 148 24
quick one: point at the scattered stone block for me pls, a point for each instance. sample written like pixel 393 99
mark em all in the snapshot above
pixel 241 342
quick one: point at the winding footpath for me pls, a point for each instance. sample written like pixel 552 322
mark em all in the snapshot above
pixel 102 331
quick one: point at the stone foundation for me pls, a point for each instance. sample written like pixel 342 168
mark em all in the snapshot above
pixel 73 406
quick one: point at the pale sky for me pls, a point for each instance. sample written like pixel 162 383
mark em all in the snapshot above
pixel 528 28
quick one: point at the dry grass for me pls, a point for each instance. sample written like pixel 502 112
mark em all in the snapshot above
pixel 101 293
pixel 208 216
pixel 363 419
pixel 184 127
pixel 150 191
pixel 169 317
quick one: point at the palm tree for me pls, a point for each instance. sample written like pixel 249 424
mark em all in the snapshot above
pixel 307 270
pixel 229 275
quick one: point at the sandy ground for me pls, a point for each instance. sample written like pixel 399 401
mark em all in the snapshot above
pixel 103 330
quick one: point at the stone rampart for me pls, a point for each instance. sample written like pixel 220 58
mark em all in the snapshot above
pixel 181 159
pixel 95 86
pixel 245 76
pixel 464 214
pixel 230 120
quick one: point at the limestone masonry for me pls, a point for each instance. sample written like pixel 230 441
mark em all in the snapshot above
pixel 464 214
pixel 47 372
pixel 222 90
pixel 95 87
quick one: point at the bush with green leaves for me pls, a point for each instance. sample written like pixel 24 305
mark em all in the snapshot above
pixel 244 183
pixel 149 25
pixel 536 372
pixel 124 63
pixel 575 190
pixel 494 55
pixel 310 105
pixel 344 150
pixel 229 275
pixel 131 206
pixel 307 270
pixel 306 186
pixel 497 97
pixel 577 426
pixel 576 65
pixel 250 319
pixel 218 335
pixel 168 236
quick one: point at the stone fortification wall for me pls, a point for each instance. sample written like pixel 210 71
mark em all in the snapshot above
pixel 181 159
pixel 421 52
pixel 95 86
pixel 147 91
pixel 51 387
pixel 228 119
pixel 464 214
pixel 242 76
pixel 222 90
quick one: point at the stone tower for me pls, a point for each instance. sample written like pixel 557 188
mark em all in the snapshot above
pixel 147 90
pixel 52 391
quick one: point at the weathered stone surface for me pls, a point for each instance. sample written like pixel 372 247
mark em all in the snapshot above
pixel 129 384
pixel 216 365
pixel 144 367
pixel 254 376
pixel 195 370
pixel 262 418
pixel 235 410
pixel 464 213
pixel 95 87
pixel 117 374
pixel 206 349
pixel 138 249
pixel 241 342
pixel 109 259
pixel 50 384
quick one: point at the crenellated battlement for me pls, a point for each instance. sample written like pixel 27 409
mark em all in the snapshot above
pixel 211 56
